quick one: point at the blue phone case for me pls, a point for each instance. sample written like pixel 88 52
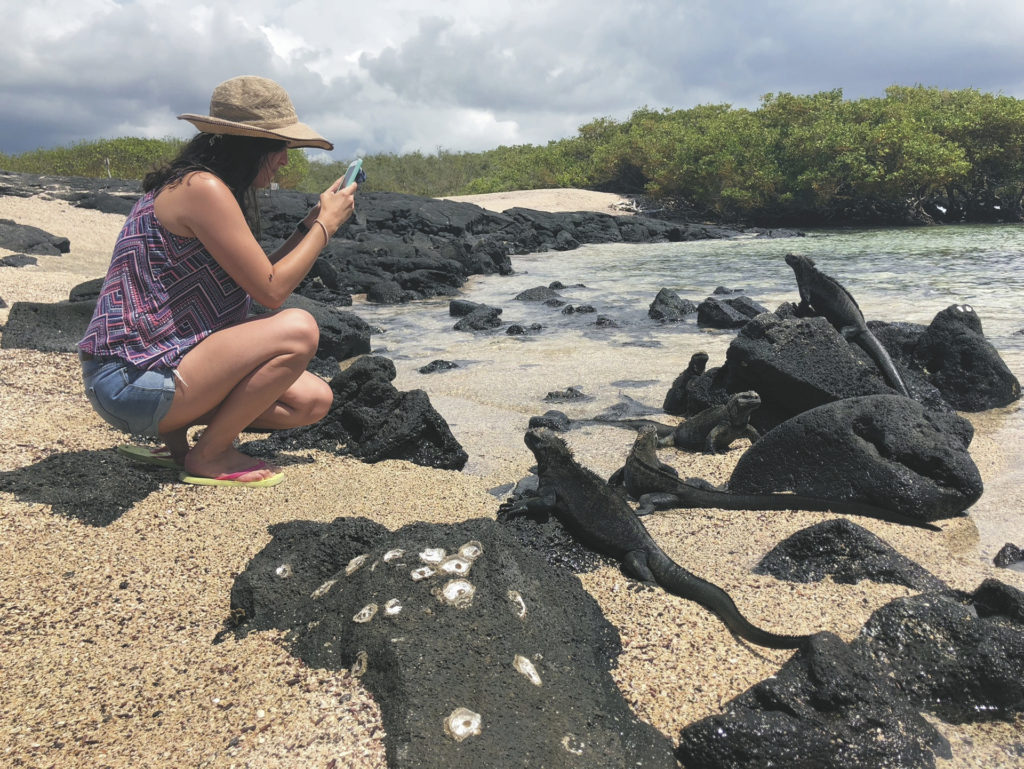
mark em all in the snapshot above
pixel 354 169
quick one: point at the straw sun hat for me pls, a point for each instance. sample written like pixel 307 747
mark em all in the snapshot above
pixel 255 106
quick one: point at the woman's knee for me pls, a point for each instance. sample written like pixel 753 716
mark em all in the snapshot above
pixel 300 330
pixel 323 399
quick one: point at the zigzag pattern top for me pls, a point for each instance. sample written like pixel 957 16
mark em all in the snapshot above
pixel 163 294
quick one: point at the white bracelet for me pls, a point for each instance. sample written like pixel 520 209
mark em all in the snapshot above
pixel 327 238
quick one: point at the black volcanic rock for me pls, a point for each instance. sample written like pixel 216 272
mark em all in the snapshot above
pixel 373 420
pixel 492 636
pixel 885 450
pixel 669 306
pixel 31 240
pixel 845 552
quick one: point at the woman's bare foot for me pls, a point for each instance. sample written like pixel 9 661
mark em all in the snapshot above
pixel 176 444
pixel 231 462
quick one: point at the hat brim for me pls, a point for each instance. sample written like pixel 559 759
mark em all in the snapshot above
pixel 295 134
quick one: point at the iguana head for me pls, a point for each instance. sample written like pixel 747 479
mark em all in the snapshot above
pixel 799 262
pixel 698 362
pixel 647 437
pixel 741 405
pixel 547 447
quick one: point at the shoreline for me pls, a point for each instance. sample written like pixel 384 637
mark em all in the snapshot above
pixel 109 656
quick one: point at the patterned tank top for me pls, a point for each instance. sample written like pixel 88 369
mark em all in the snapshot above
pixel 163 294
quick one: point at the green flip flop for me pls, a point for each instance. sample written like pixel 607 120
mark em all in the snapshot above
pixel 160 457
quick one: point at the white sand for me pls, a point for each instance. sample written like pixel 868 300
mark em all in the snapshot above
pixel 106 654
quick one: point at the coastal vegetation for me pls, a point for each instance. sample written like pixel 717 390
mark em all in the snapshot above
pixel 917 154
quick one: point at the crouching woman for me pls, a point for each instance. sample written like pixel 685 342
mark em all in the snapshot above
pixel 171 344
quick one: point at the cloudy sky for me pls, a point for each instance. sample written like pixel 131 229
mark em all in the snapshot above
pixel 467 75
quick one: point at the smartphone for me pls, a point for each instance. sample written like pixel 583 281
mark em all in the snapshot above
pixel 355 168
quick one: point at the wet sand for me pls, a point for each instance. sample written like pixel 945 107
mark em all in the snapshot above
pixel 108 657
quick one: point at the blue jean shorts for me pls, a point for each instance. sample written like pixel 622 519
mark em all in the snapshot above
pixel 131 399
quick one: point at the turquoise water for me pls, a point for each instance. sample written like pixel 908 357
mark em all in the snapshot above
pixel 895 275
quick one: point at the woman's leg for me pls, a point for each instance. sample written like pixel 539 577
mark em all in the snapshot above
pixel 252 373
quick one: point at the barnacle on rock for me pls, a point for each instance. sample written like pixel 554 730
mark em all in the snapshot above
pixel 526 667
pixel 423 572
pixel 471 550
pixel 366 613
pixel 456 564
pixel 457 592
pixel 284 570
pixel 392 607
pixel 355 563
pixel 462 723
pixel 322 590
pixel 572 744
pixel 518 604
pixel 360 665
pixel 391 555
pixel 433 555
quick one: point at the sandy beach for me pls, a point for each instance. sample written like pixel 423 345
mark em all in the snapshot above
pixel 108 655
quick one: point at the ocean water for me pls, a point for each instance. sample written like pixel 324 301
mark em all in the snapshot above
pixel 895 274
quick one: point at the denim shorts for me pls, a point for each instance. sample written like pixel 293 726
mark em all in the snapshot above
pixel 131 399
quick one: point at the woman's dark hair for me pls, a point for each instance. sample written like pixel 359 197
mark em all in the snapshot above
pixel 236 160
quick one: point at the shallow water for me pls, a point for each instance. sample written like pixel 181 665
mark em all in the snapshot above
pixel 895 274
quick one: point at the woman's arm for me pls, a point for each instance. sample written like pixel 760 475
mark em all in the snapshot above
pixel 202 206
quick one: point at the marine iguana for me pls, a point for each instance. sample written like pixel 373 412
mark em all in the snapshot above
pixel 825 296
pixel 602 520
pixel 658 486
pixel 714 428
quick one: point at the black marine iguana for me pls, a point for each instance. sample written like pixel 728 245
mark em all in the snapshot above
pixel 711 430
pixel 602 520
pixel 658 486
pixel 825 296
pixel 714 428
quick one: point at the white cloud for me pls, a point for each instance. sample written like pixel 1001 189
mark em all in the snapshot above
pixel 398 75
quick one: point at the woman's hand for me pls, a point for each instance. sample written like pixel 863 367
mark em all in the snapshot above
pixel 336 205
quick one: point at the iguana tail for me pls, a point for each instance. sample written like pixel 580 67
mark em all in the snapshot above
pixel 674 579
pixel 728 500
pixel 870 344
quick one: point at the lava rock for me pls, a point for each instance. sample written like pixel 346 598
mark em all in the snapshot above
pixel 373 420
pixel 962 364
pixel 31 240
pixel 845 552
pixel 813 713
pixel 1008 555
pixel 885 450
pixel 676 397
pixel 437 365
pixel 668 306
pixel 517 644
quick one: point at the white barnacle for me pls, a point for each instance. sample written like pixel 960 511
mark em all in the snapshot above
pixel 458 593
pixel 392 607
pixel 572 744
pixel 526 667
pixel 360 665
pixel 423 572
pixel 518 604
pixel 471 550
pixel 366 613
pixel 355 563
pixel 284 570
pixel 392 555
pixel 321 591
pixel 433 555
pixel 462 723
pixel 456 564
